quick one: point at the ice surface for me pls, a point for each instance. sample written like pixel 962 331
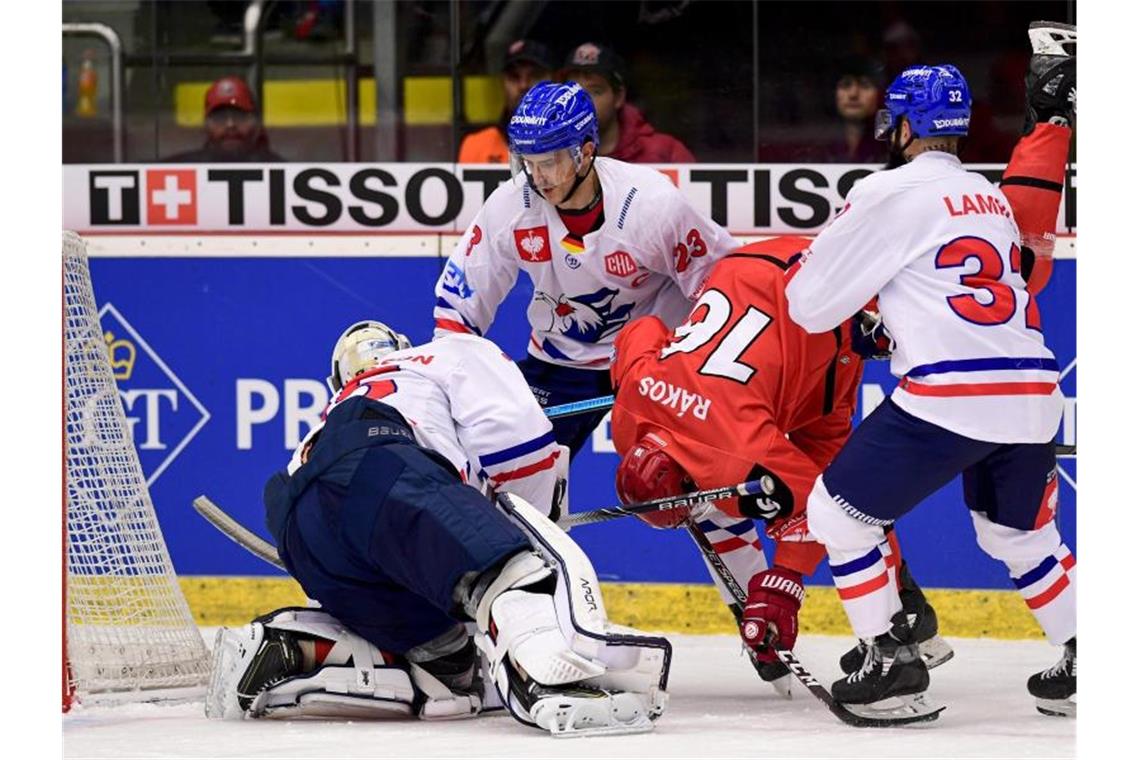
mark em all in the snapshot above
pixel 718 708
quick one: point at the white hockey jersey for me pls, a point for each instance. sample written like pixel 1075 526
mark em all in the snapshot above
pixel 465 399
pixel 650 256
pixel 939 246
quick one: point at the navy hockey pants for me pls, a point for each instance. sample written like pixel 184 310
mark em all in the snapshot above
pixel 381 539
pixel 893 460
pixel 553 385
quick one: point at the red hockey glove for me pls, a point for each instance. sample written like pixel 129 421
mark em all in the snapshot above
pixel 646 472
pixel 770 619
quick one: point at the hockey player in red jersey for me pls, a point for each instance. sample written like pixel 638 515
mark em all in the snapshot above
pixel 740 392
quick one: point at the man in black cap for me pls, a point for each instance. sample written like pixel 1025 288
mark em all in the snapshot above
pixel 625 133
pixel 527 62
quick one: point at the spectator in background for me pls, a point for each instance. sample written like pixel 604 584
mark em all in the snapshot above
pixel 902 48
pixel 233 130
pixel 858 94
pixel 527 63
pixel 625 133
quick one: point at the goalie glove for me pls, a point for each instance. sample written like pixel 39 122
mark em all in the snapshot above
pixel 771 615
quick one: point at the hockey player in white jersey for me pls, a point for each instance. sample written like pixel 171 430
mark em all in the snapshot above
pixel 603 241
pixel 978 392
pixel 382 518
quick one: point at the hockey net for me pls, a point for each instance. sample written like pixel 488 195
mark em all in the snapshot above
pixel 129 633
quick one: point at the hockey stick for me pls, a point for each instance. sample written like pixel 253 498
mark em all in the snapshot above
pixel 786 655
pixel 579 407
pixel 1065 451
pixel 747 488
pixel 241 535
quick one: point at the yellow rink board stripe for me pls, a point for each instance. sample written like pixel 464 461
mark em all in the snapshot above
pixel 323 102
pixel 668 607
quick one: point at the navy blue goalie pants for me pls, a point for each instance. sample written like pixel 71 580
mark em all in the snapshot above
pixel 379 529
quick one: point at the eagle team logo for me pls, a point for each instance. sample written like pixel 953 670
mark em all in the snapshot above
pixel 163 416
pixel 533 244
pixel 586 318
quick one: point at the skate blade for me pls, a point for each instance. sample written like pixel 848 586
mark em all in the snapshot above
pixel 574 717
pixel 899 710
pixel 1058 708
pixel 935 651
pixel 1052 38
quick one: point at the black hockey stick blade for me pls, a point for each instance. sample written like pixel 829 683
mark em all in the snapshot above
pixel 238 533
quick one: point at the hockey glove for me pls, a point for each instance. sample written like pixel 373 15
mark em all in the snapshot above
pixel 869 336
pixel 770 619
pixel 646 472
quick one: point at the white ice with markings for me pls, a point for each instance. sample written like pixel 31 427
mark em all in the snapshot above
pixel 718 708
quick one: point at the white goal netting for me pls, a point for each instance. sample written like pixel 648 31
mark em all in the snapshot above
pixel 130 634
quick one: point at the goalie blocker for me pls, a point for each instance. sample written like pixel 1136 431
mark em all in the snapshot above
pixel 555 660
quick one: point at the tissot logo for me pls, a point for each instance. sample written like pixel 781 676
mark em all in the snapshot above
pixel 114 197
pixel 163 416
pixel 171 196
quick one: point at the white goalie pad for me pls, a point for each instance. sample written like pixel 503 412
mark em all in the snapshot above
pixel 571 671
pixel 258 672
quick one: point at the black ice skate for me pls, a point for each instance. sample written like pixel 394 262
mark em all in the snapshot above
pixel 892 681
pixel 1056 688
pixel 923 619
pixel 1051 82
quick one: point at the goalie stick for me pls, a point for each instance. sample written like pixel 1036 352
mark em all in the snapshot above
pixel 787 656
pixel 241 535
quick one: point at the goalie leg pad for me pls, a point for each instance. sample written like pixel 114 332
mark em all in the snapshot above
pixel 267 669
pixel 556 660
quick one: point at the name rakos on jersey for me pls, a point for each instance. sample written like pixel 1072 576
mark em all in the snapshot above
pixel 466 400
pixel 939 246
pixel 650 256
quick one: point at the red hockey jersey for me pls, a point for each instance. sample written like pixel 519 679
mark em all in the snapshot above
pixel 740 384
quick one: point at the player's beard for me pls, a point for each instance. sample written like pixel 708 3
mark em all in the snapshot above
pixel 895 157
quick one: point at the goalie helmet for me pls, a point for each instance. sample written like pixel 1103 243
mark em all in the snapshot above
pixel 360 348
pixel 934 99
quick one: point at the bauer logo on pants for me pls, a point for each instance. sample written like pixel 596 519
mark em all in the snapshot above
pixel 163 416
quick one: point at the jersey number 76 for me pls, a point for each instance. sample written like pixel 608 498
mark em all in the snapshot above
pixel 724 360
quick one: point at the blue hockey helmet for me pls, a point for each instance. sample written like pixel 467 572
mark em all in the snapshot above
pixel 934 99
pixel 551 117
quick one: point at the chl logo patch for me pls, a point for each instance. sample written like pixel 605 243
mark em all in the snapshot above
pixel 172 196
pixel 163 416
pixel 533 243
pixel 620 264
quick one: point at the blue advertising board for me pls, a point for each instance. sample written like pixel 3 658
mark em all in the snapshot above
pixel 221 365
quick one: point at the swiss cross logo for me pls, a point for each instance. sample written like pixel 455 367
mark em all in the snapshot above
pixel 533 243
pixel 620 264
pixel 171 196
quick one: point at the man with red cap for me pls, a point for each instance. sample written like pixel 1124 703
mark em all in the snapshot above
pixel 233 130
